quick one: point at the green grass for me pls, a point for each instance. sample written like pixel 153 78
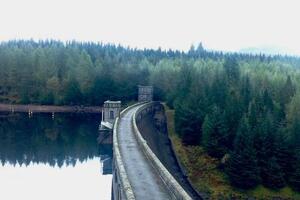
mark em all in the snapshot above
pixel 204 174
pixel 262 192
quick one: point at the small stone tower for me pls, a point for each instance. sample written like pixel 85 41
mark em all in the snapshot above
pixel 145 93
pixel 111 110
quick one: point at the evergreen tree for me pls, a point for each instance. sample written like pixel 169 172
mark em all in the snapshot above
pixel 287 91
pixel 295 176
pixel 186 125
pixel 232 71
pixel 219 91
pixel 242 167
pixel 273 175
pixel 264 144
pixel 253 115
pixel 233 113
pixel 267 100
pixel 73 94
pixel 215 132
pixel 189 116
pixel 246 92
pixel 285 153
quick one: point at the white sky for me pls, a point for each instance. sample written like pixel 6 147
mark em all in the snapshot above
pixel 219 24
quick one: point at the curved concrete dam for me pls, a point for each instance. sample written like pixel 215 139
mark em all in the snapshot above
pixel 138 173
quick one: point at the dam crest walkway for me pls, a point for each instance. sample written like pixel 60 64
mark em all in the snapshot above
pixel 138 173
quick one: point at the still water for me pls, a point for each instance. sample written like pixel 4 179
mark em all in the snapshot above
pixel 53 158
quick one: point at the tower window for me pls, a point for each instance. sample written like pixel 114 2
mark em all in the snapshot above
pixel 111 114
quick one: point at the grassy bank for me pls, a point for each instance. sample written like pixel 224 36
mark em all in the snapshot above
pixel 205 175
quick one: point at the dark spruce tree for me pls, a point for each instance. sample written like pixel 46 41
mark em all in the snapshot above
pixel 294 178
pixel 267 100
pixel 287 91
pixel 264 144
pixel 218 91
pixel 293 128
pixel 232 70
pixel 273 175
pixel 285 153
pixel 242 167
pixel 214 131
pixel 295 175
pixel 233 113
pixel 189 116
pixel 73 94
pixel 245 92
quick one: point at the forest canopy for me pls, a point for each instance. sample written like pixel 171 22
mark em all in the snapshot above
pixel 53 72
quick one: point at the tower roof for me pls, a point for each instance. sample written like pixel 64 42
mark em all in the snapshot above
pixel 109 101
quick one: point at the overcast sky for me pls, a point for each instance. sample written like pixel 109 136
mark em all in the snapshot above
pixel 221 25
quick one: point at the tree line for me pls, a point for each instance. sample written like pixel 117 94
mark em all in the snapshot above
pixel 74 73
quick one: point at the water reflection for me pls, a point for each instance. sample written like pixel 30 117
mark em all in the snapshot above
pixel 45 158
pixel 66 139
pixel 40 181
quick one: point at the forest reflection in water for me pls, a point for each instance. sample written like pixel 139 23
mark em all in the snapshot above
pixel 63 151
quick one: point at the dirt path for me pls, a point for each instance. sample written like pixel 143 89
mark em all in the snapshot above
pixel 49 109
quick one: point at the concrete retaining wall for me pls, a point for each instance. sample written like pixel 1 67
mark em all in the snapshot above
pixel 176 191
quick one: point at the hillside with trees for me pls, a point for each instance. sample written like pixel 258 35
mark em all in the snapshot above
pixel 240 108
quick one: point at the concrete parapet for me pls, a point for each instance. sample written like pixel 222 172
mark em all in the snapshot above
pixel 121 188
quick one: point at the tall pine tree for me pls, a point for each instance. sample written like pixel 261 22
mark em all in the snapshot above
pixel 295 175
pixel 242 167
pixel 215 133
pixel 273 175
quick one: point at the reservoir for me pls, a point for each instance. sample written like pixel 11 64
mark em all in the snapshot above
pixel 53 157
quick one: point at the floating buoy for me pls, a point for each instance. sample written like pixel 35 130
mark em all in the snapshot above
pixel 52 115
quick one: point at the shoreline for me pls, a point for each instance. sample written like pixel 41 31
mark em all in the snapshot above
pixel 49 108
